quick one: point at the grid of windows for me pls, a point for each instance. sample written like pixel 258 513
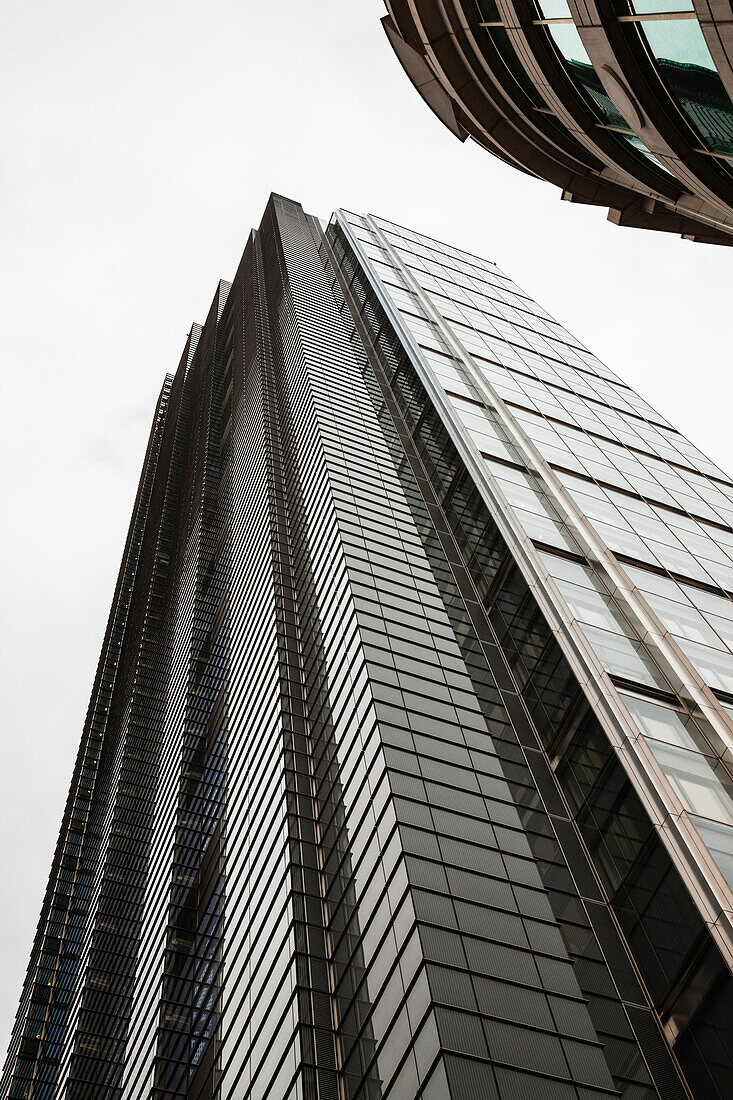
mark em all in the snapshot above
pixel 656 503
pixel 474 382
pixel 357 828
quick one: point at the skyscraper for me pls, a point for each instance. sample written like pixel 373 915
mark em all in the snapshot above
pixel 406 766
pixel 626 105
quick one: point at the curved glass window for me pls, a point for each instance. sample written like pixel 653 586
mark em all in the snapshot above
pixel 688 70
pixel 570 45
pixel 554 9
pixel 656 7
pixel 641 148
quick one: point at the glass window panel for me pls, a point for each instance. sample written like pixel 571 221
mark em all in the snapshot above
pixel 554 9
pixel 716 668
pixel 662 723
pixel 534 516
pixel 700 788
pixel 684 621
pixel 543 529
pixel 571 571
pixel 679 561
pixel 651 528
pixel 623 657
pixel 719 840
pixel 569 44
pixel 624 542
pixel 449 380
pixel 642 7
pixel 721 574
pixel 685 64
pixel 717 606
pixel 592 607
pixel 723 627
pixel 652 582
pixel 520 491
pixel 488 439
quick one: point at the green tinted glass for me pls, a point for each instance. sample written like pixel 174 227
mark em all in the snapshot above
pixel 554 9
pixel 569 44
pixel 685 64
pixel 644 7
pixel 680 41
pixel 640 147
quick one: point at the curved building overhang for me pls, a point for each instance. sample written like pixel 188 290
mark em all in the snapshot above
pixel 658 122
pixel 607 132
pixel 424 79
pixel 485 111
pixel 619 164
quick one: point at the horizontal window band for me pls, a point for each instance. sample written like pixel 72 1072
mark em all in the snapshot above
pixel 659 571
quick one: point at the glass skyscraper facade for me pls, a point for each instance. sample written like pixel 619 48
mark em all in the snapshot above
pixel 406 771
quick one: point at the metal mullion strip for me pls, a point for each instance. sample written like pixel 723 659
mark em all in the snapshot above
pixel 711 892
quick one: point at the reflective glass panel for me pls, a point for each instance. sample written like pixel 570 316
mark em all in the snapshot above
pixel 662 723
pixel 687 68
pixel 719 839
pixel 700 788
pixel 569 44
pixel 644 7
pixel 554 9
pixel 488 11
pixel 640 147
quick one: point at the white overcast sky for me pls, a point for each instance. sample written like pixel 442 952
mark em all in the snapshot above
pixel 140 142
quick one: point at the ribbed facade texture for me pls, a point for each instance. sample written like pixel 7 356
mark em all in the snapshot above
pixel 406 771
pixel 626 104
